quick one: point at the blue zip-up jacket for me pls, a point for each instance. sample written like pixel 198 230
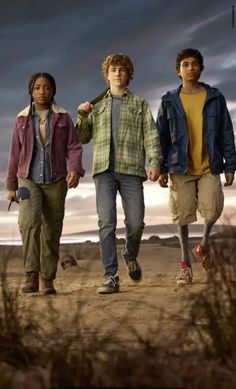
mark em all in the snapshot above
pixel 217 130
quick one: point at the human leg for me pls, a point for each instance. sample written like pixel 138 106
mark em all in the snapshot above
pixel 183 239
pixel 52 221
pixel 183 205
pixel 210 205
pixel 131 191
pixel 106 190
pixel 29 221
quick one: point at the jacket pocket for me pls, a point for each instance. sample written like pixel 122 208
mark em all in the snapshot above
pixel 213 122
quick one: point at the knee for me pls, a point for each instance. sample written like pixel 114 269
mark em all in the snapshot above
pixel 135 227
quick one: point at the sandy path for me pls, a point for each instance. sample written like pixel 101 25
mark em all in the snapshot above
pixel 136 306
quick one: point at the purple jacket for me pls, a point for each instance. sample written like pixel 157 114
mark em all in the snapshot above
pixel 65 148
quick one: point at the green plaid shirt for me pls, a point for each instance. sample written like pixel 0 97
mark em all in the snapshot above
pixel 137 135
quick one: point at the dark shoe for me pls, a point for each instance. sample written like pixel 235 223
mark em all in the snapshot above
pixel 110 285
pixel 48 287
pixel 31 282
pixel 134 270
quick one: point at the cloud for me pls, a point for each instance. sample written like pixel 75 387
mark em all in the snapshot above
pixel 70 39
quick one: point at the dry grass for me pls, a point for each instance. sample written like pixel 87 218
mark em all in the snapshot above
pixel 201 355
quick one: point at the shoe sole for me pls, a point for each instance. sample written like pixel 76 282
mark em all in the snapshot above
pixel 47 293
pixel 103 291
pixel 29 291
pixel 131 279
pixel 182 282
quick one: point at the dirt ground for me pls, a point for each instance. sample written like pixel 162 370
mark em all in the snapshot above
pixel 136 308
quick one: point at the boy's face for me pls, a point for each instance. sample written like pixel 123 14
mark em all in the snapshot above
pixel 42 92
pixel 117 76
pixel 189 70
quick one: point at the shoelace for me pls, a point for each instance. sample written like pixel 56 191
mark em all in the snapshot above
pixel 132 266
pixel 110 279
pixel 185 272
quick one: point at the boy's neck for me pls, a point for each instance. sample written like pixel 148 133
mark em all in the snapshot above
pixel 191 87
pixel 117 91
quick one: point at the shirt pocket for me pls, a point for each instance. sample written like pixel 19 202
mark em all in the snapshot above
pixel 134 117
pixel 61 132
pixel 97 111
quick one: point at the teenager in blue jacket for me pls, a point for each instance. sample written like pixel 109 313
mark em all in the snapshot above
pixel 197 142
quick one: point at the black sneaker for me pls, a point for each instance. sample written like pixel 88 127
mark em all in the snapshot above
pixel 110 285
pixel 134 270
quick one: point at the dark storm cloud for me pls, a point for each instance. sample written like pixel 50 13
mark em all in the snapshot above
pixel 70 39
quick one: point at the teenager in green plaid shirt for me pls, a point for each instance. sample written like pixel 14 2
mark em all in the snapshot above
pixel 123 133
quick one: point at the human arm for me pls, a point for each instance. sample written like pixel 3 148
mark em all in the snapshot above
pixel 151 143
pixel 74 156
pixel 14 157
pixel 83 124
pixel 226 140
pixel 164 134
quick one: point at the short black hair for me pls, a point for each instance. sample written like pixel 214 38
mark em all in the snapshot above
pixel 185 53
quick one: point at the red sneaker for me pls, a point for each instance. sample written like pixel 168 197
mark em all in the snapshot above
pixel 204 258
pixel 185 276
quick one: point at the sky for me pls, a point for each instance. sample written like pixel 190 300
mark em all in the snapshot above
pixel 70 39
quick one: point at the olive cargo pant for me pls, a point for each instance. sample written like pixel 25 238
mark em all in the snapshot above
pixel 40 223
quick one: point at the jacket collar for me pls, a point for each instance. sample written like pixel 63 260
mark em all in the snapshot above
pixel 173 94
pixel 126 93
pixel 55 108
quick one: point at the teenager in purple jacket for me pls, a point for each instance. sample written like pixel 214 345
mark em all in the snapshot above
pixel 45 157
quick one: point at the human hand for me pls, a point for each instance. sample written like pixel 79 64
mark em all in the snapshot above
pixel 84 109
pixel 72 179
pixel 153 174
pixel 229 177
pixel 11 195
pixel 163 180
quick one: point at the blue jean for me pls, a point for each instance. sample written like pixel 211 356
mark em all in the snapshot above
pixel 130 188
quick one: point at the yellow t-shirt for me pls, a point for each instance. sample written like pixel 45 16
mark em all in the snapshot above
pixel 198 162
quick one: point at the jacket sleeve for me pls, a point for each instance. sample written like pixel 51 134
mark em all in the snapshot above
pixel 151 138
pixel 227 142
pixel 13 159
pixel 83 128
pixel 164 134
pixel 74 150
